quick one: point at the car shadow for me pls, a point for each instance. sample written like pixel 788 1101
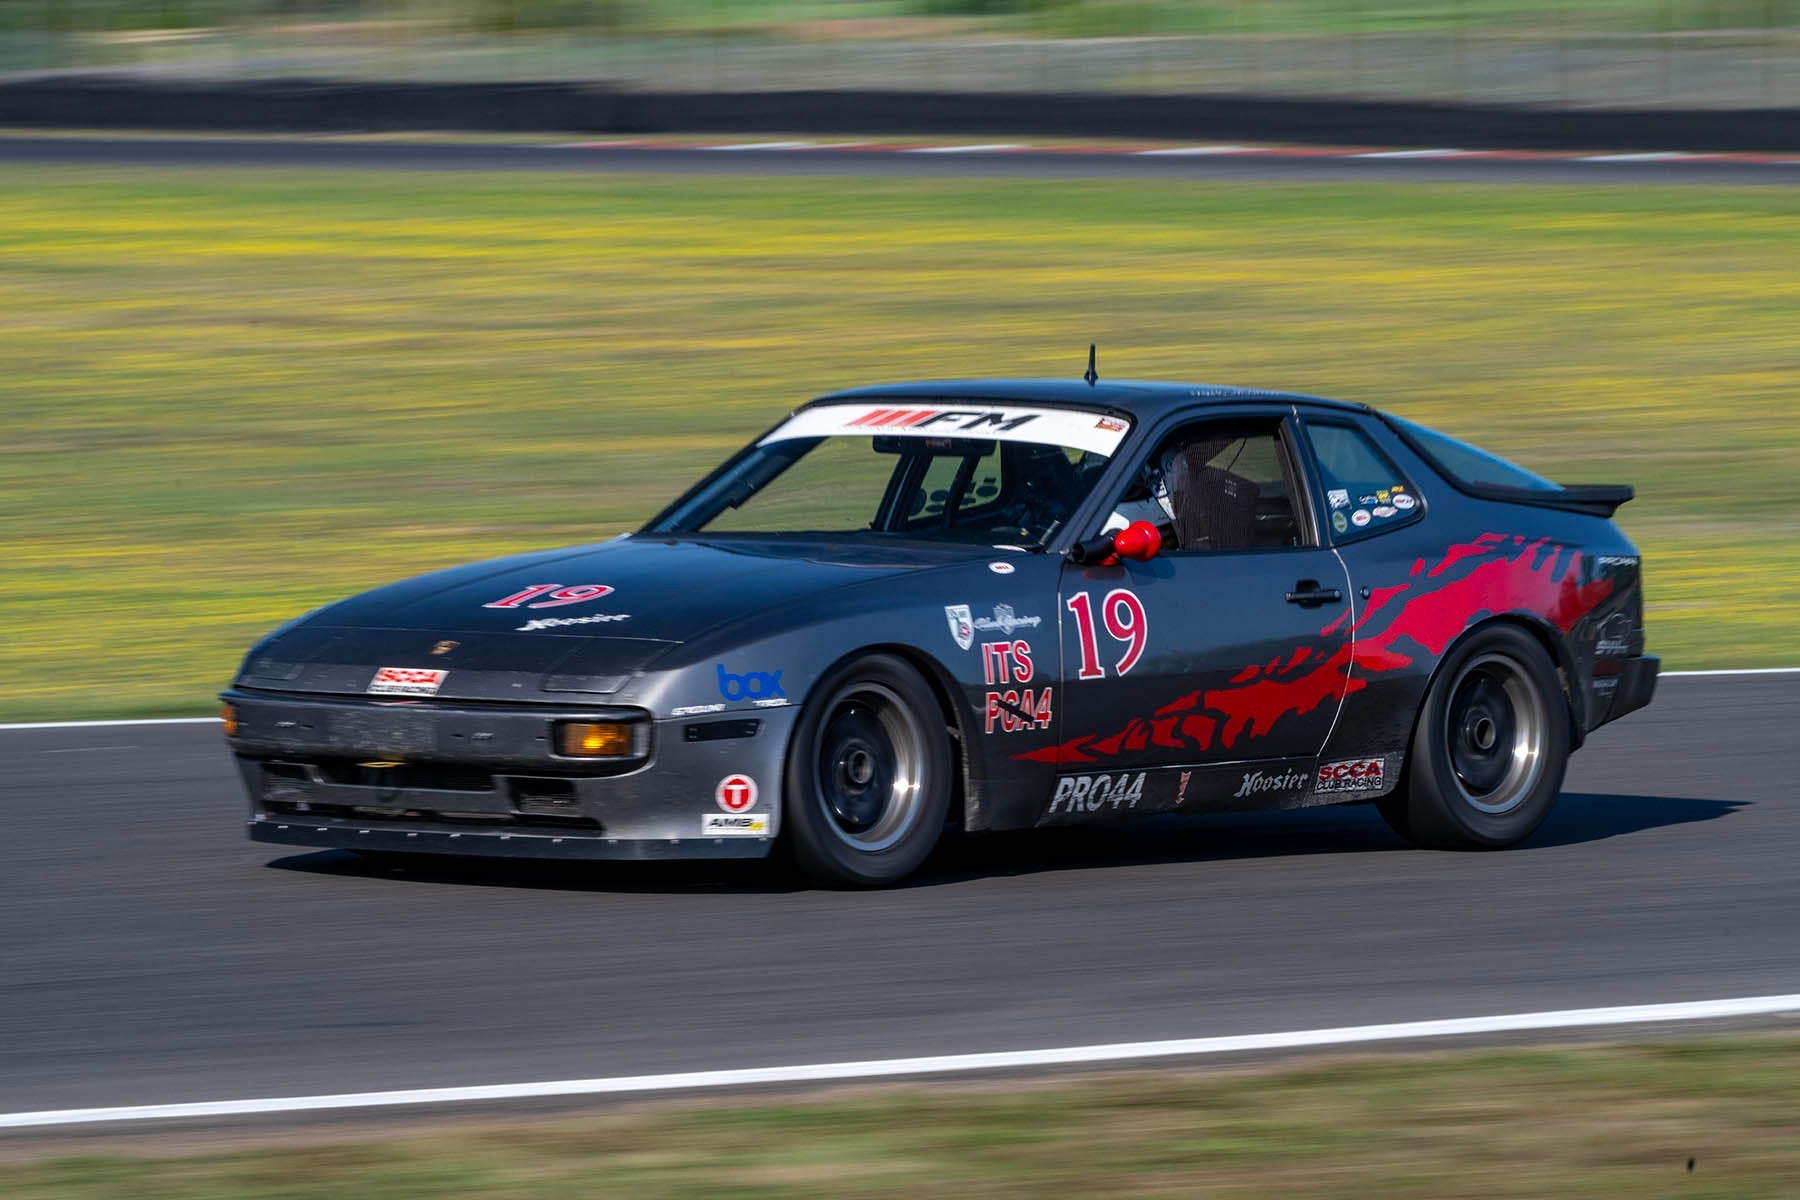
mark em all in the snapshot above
pixel 1336 829
pixel 1579 817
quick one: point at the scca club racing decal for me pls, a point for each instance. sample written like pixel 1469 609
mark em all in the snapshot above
pixel 1495 573
pixel 406 681
pixel 1097 793
pixel 1354 775
pixel 1014 709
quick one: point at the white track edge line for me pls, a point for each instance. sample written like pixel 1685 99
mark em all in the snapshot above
pixel 1726 671
pixel 1578 1018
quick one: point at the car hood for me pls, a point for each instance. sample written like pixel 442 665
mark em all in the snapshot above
pixel 663 591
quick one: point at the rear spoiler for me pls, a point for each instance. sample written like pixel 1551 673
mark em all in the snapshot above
pixel 1591 499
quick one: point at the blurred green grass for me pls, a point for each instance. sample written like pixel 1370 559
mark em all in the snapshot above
pixel 1702 1119
pixel 228 397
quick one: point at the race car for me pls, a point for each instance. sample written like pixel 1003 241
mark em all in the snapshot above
pixel 991 605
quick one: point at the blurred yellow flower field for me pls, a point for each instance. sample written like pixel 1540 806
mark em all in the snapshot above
pixel 227 397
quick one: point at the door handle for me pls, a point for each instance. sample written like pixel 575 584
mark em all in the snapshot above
pixel 1308 594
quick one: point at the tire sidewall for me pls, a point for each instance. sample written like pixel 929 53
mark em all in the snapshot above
pixel 1437 812
pixel 817 850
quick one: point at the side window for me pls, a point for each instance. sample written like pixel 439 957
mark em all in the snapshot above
pixel 1364 490
pixel 1217 485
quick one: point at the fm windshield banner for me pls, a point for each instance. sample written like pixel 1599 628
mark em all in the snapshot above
pixel 1097 432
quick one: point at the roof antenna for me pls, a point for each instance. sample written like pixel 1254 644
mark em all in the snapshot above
pixel 1092 376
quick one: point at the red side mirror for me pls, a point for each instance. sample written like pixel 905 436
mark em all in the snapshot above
pixel 1138 541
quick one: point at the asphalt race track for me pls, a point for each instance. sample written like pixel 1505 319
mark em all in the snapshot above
pixel 176 153
pixel 151 954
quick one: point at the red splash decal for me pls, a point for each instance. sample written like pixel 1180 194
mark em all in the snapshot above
pixel 1257 707
pixel 1186 704
pixel 1199 730
pixel 1377 598
pixel 1455 554
pixel 1541 578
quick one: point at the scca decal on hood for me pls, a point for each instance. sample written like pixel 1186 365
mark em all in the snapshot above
pixel 1045 426
pixel 1495 573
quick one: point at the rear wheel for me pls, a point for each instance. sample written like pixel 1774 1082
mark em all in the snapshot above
pixel 1490 747
pixel 868 775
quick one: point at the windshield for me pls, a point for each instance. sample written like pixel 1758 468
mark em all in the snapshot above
pixel 982 476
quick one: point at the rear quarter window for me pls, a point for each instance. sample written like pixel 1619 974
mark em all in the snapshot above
pixel 1365 493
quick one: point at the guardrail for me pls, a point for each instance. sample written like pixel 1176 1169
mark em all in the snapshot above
pixel 294 106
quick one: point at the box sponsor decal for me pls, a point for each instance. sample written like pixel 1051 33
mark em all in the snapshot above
pixel 1352 775
pixel 762 688
pixel 406 681
pixel 734 825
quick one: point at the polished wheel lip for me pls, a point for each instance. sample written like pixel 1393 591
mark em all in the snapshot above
pixel 857 760
pixel 1519 730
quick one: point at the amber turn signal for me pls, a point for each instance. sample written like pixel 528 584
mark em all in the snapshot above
pixel 582 739
pixel 228 718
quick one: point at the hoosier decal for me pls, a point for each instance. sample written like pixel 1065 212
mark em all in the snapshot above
pixel 1256 783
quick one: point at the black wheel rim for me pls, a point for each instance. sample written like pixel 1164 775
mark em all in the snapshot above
pixel 867 766
pixel 1494 733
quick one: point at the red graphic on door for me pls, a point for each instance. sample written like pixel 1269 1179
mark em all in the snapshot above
pixel 1495 573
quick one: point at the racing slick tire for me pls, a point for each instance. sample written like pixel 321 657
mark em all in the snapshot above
pixel 868 779
pixel 1490 747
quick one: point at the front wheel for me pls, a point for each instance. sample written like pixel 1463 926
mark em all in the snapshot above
pixel 1490 747
pixel 868 775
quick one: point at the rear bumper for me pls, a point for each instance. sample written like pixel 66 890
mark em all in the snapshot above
pixel 1637 685
pixel 427 778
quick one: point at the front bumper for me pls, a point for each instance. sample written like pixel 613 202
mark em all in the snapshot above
pixel 454 778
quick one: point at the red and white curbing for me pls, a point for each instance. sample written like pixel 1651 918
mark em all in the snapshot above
pixel 1438 153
